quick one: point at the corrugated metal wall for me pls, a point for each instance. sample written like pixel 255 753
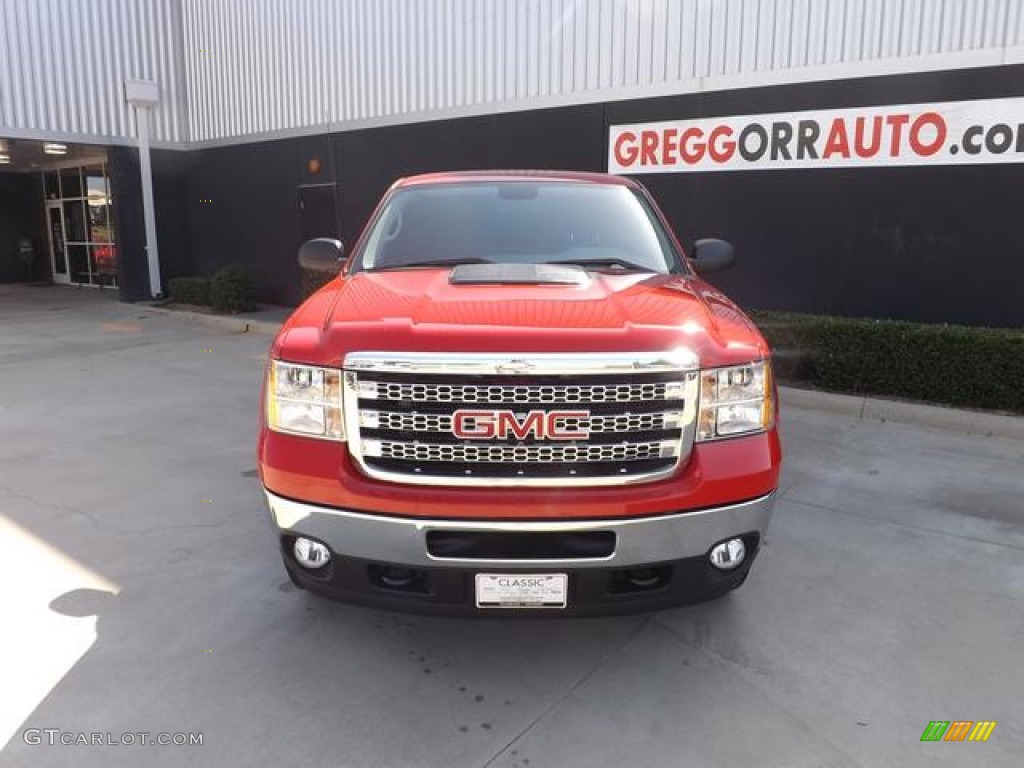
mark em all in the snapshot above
pixel 274 65
pixel 233 68
pixel 63 62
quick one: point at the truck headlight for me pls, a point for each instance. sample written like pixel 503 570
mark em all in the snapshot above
pixel 305 400
pixel 736 401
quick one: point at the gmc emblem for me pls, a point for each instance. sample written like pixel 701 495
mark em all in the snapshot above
pixel 501 425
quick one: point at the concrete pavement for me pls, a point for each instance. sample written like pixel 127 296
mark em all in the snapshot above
pixel 142 593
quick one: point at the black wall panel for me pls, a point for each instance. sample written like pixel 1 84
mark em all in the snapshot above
pixel 21 216
pixel 129 225
pixel 174 236
pixel 939 244
pixel 244 209
pixel 171 200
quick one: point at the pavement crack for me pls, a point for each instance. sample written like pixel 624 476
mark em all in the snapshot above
pixel 10 492
pixel 601 664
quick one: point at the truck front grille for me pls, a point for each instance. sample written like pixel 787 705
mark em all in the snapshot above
pixel 445 421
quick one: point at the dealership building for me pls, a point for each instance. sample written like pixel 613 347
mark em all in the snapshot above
pixel 864 156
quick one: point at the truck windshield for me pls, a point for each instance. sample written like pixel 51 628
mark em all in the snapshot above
pixel 603 227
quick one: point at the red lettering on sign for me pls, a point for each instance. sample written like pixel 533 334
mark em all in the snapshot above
pixel 935 120
pixel 669 146
pixel 896 122
pixel 690 147
pixel 625 148
pixel 860 147
pixel 721 151
pixel 838 142
pixel 648 147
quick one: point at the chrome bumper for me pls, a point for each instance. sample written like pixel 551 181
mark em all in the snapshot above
pixel 638 541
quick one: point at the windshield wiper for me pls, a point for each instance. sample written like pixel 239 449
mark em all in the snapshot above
pixel 605 264
pixel 430 263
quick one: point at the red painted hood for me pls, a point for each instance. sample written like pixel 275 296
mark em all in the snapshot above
pixel 419 310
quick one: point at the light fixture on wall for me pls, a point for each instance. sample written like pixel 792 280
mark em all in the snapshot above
pixel 4 159
pixel 51 148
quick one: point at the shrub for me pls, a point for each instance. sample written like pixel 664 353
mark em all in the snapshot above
pixel 955 365
pixel 189 290
pixel 232 289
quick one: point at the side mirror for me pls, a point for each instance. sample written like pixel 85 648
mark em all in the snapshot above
pixel 712 255
pixel 321 255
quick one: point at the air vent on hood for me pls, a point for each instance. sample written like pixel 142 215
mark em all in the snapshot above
pixel 510 274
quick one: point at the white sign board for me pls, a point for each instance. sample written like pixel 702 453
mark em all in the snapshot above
pixel 947 133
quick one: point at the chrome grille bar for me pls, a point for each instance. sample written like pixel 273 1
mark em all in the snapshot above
pixel 505 454
pixel 518 393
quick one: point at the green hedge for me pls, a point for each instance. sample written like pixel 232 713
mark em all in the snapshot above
pixel 955 365
pixel 189 290
pixel 232 289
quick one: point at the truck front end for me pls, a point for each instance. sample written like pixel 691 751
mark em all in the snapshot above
pixel 511 432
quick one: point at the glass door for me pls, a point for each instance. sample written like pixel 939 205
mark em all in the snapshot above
pixel 81 227
pixel 58 243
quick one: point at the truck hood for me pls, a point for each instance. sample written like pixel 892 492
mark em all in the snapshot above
pixel 421 310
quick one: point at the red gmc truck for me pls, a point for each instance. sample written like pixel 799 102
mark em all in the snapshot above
pixel 518 396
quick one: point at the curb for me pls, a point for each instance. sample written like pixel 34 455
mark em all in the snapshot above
pixel 862 408
pixel 855 406
pixel 233 323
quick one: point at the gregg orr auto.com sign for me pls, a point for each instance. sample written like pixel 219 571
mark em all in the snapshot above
pixel 949 133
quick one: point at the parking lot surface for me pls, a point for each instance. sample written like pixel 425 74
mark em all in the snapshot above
pixel 143 593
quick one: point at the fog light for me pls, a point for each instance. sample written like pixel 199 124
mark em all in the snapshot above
pixel 311 554
pixel 728 554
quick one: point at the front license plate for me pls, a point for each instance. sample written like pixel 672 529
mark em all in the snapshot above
pixel 521 590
